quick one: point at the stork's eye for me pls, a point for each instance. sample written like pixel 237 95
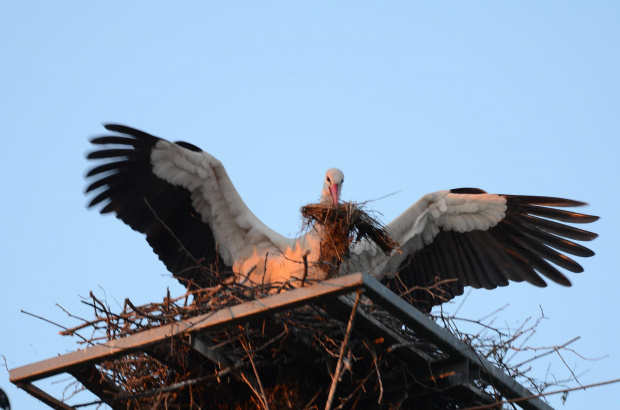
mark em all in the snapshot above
pixel 342 181
pixel 329 180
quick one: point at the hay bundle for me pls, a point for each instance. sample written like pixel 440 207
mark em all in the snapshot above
pixel 343 225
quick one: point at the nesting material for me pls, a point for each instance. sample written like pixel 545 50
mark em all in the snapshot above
pixel 286 359
pixel 345 224
pixel 283 361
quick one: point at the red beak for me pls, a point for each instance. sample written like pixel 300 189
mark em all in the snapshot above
pixel 334 191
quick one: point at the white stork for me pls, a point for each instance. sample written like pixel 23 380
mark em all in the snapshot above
pixel 183 200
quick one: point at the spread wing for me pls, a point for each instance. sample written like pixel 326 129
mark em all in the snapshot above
pixel 181 198
pixel 466 237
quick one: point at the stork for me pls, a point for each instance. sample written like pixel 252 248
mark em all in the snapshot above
pixel 182 199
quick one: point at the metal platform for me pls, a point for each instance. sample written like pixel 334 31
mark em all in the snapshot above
pixel 456 373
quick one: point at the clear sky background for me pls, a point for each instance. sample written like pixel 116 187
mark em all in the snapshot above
pixel 512 97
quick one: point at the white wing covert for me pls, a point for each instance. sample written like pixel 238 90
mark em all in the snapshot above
pixel 182 199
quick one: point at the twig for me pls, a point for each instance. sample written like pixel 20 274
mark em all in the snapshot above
pixel 520 399
pixel 262 394
pixel 6 366
pixel 258 394
pixel 262 282
pixel 43 319
pixel 70 314
pixel 429 289
pixel 172 387
pixel 374 357
pixel 270 341
pixel 55 324
pixel 142 313
pixel 354 392
pixel 312 400
pixel 567 366
pixel 546 353
pixel 494 312
pixel 343 346
pixel 305 259
pixel 381 197
pixel 247 275
pixel 463 300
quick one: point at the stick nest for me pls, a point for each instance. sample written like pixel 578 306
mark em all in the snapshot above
pixel 345 224
pixel 283 361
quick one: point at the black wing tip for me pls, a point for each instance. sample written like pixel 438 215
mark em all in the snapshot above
pixel 134 132
pixel 537 281
pixel 544 201
pixel 583 218
pixel 590 253
pixel 98 140
pixel 91 188
pixel 124 129
pixel 97 200
pixel 99 154
pixel 112 140
pixel 115 127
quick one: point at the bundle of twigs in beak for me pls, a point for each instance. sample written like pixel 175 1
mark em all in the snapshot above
pixel 348 223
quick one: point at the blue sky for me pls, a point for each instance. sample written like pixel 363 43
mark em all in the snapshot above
pixel 414 97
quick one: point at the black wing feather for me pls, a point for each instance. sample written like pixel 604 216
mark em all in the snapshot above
pixel 111 153
pixel 519 248
pixel 557 214
pixel 556 228
pixel 556 242
pixel 164 212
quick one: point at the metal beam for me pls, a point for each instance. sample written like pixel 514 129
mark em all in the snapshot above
pixel 223 317
pixel 446 341
pixel 44 397
pixel 372 328
pixel 99 384
pixel 207 351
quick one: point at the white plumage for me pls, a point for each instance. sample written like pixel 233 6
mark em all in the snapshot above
pixel 253 251
pixel 183 200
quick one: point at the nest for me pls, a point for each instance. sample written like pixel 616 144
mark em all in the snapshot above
pixel 286 360
pixel 343 225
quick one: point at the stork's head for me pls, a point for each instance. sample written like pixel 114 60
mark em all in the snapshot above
pixel 332 185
